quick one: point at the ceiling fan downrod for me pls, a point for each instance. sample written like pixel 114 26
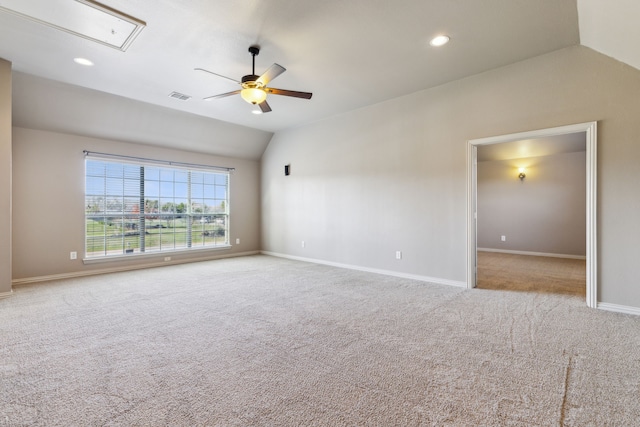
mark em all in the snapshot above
pixel 254 50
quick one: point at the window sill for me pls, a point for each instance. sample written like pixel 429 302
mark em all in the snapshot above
pixel 151 255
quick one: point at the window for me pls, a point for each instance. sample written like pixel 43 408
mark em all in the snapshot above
pixel 138 208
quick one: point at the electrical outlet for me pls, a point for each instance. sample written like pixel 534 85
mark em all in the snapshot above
pixel 398 254
pixel 167 258
pixel 237 241
pixel 302 244
pixel 73 255
pixel 503 238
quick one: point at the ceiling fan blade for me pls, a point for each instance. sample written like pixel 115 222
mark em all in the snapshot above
pixel 216 74
pixel 274 71
pixel 222 95
pixel 284 92
pixel 264 107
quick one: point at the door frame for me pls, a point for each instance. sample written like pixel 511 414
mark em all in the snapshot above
pixel 591 129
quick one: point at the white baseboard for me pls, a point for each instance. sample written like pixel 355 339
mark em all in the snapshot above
pixel 6 294
pixel 27 280
pixel 372 270
pixel 619 308
pixel 504 251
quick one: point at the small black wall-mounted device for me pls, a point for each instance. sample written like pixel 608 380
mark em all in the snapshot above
pixel 287 170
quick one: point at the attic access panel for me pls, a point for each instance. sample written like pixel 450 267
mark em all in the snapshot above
pixel 84 18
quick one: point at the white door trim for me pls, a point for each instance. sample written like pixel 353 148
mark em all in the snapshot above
pixel 591 129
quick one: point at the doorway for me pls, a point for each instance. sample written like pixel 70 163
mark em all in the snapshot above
pixel 589 131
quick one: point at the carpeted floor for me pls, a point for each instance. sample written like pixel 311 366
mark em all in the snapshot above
pixel 262 341
pixel 514 272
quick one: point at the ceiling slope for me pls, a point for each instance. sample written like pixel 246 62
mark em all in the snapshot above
pixel 611 28
pixel 60 107
pixel 348 53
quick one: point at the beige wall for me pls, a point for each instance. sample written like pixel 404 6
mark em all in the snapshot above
pixel 48 201
pixel 393 176
pixel 544 213
pixel 5 177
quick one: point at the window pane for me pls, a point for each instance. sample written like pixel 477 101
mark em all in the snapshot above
pixel 167 206
pixel 114 186
pixel 197 190
pixel 151 173
pixel 95 168
pixel 130 171
pixel 208 205
pixel 222 179
pixel 181 190
pixel 94 205
pixel 208 191
pixel 221 192
pixel 131 187
pixel 197 177
pixel 182 209
pixel 95 232
pixel 131 205
pixel 197 206
pixel 166 188
pixel 95 185
pixel 151 206
pixel 182 206
pixel 113 169
pixel 151 188
pixel 181 240
pixel 166 175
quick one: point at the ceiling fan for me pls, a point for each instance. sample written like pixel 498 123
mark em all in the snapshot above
pixel 254 88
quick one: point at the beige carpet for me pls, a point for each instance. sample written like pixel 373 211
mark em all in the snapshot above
pixel 261 341
pixel 515 272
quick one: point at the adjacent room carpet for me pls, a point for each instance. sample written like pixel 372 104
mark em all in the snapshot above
pixel 514 272
pixel 262 341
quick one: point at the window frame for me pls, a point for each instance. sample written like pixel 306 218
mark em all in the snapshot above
pixel 211 219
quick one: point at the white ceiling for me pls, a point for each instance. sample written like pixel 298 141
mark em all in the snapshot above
pixel 539 147
pixel 611 27
pixel 348 53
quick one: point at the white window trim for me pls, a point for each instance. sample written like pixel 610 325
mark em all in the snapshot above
pixel 153 253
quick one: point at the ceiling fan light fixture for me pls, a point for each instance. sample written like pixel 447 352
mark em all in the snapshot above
pixel 253 95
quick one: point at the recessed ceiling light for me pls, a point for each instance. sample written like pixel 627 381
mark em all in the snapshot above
pixel 439 40
pixel 256 111
pixel 83 61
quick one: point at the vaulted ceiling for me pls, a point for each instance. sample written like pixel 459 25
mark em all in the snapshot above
pixel 350 54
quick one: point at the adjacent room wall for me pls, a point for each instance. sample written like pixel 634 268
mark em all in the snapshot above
pixel 393 176
pixel 48 202
pixel 543 213
pixel 5 177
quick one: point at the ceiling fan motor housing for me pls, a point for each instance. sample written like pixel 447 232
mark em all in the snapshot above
pixel 250 80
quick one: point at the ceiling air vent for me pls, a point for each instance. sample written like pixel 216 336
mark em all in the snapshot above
pixel 180 96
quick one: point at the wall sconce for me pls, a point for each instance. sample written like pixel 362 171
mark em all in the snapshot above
pixel 521 175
